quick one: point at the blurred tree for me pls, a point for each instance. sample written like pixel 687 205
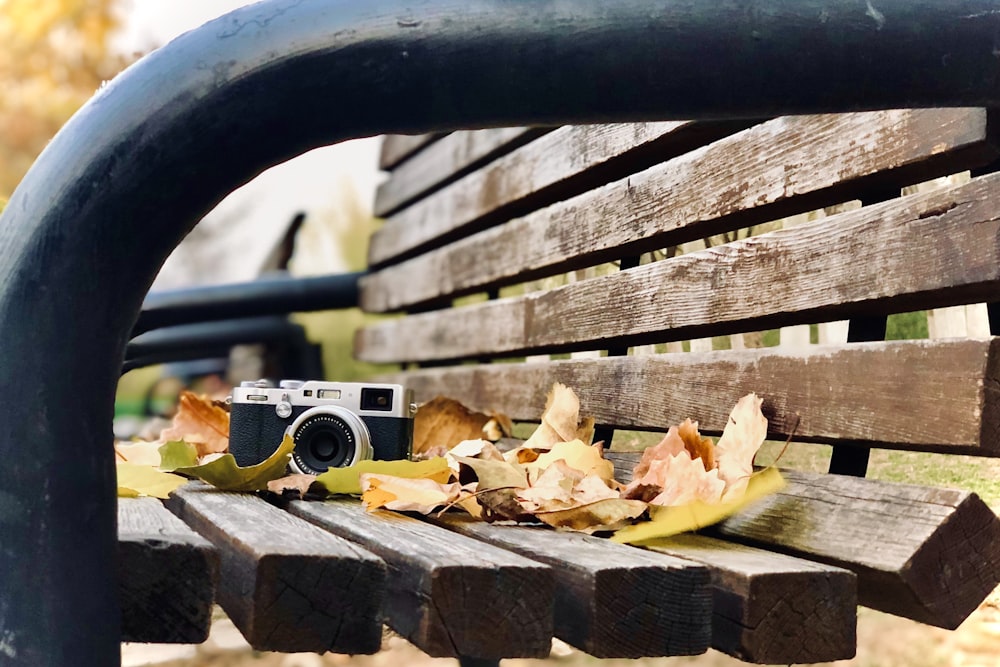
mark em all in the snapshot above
pixel 55 55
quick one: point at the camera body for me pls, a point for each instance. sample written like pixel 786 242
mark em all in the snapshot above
pixel 333 424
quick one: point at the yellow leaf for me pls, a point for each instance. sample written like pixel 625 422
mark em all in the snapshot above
pixel 139 453
pixel 348 480
pixel 135 480
pixel 588 459
pixel 406 495
pixel 743 435
pixel 177 454
pixel 667 521
pixel 603 515
pixel 224 474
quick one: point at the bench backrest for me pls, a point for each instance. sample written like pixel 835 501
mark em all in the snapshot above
pixel 503 245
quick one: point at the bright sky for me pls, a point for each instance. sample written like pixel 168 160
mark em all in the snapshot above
pixel 310 182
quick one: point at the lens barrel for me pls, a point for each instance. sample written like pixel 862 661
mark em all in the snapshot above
pixel 328 437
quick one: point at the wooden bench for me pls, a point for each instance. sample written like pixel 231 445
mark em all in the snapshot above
pixel 483 215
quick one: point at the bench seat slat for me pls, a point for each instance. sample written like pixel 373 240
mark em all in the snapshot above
pixel 925 395
pixel 446 160
pixel 921 251
pixel 770 608
pixel 448 594
pixel 560 164
pixel 168 575
pixel 925 553
pixel 783 167
pixel 287 585
pixel 611 601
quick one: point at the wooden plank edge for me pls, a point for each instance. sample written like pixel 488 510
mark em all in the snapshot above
pixel 449 595
pixel 287 585
pixel 771 608
pixel 167 575
pixel 611 601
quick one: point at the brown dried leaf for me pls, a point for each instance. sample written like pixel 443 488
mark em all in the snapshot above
pixel 561 420
pixel 502 505
pixel 696 445
pixel 406 495
pixel 603 515
pixel 745 431
pixel 588 459
pixel 200 423
pixel 446 422
pixel 552 490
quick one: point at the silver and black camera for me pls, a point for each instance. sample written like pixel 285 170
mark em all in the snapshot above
pixel 333 424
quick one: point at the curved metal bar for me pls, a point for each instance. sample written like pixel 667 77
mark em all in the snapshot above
pixel 264 296
pixel 133 171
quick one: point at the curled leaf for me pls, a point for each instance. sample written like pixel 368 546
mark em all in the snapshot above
pixel 561 420
pixel 743 435
pixel 224 474
pixel 496 474
pixel 588 459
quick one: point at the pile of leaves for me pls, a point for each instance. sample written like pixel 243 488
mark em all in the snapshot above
pixel 557 477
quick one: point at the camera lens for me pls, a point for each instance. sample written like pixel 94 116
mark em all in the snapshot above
pixel 328 437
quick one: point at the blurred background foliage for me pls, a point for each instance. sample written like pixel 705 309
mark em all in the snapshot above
pixel 55 55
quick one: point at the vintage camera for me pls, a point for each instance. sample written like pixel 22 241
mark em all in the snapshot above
pixel 334 424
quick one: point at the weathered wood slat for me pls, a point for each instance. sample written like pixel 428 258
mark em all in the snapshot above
pixel 287 585
pixel 932 395
pixel 560 164
pixel 167 577
pixel 929 554
pixel 446 160
pixel 611 601
pixel 926 250
pixel 399 147
pixel 448 594
pixel 783 167
pixel 770 608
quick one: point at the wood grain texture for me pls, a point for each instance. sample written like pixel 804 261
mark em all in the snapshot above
pixel 167 575
pixel 611 601
pixel 783 167
pixel 929 554
pixel 446 160
pixel 398 147
pixel 771 608
pixel 931 395
pixel 924 395
pixel 287 585
pixel 448 594
pixel 925 250
pixel 560 164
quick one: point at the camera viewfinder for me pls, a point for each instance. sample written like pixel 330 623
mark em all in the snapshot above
pixel 373 398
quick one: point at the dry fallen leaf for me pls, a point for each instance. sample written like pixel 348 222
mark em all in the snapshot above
pixel 200 422
pixel 743 435
pixel 697 446
pixel 337 481
pixel 139 453
pixel 141 480
pixel 588 459
pixel 552 490
pixel 446 422
pixel 680 480
pixel 224 474
pixel 561 420
pixel 603 515
pixel 406 495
